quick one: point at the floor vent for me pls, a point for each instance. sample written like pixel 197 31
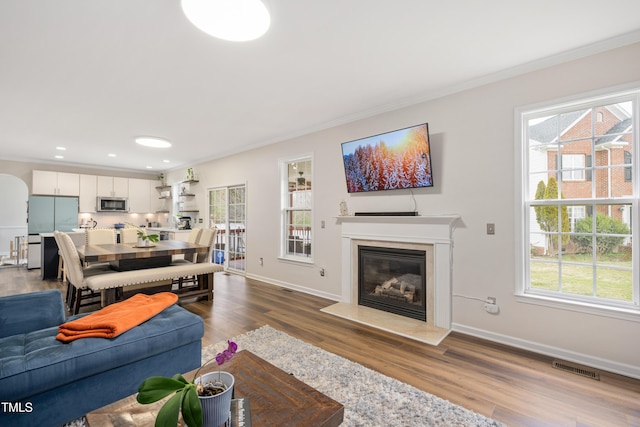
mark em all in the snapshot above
pixel 574 369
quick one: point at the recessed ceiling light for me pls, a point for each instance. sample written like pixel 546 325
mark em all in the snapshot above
pixel 166 161
pixel 59 157
pixel 149 167
pixel 111 155
pixel 233 20
pixel 152 141
pixel 61 148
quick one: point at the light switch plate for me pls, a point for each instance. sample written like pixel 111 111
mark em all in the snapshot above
pixel 491 228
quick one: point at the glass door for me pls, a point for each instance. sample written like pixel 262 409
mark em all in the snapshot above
pixel 227 212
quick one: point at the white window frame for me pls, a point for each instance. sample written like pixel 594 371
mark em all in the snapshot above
pixel 614 309
pixel 286 209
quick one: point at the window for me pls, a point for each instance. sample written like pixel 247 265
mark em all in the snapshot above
pixel 573 167
pixel 297 208
pixel 578 245
pixel 575 213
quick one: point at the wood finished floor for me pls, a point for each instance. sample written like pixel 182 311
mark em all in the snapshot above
pixel 516 387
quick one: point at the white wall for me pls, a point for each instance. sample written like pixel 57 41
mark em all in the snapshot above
pixel 472 134
pixel 13 200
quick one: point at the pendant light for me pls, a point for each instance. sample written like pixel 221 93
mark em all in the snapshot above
pixel 233 20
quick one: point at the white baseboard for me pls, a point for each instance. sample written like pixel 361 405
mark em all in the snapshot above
pixel 567 355
pixel 327 295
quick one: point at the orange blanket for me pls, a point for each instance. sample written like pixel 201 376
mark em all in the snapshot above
pixel 116 318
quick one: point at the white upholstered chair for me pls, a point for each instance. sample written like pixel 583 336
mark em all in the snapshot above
pixel 77 291
pixel 101 236
pixel 193 237
pixel 207 237
pixel 129 235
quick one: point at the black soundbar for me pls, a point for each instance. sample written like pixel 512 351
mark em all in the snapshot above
pixel 410 213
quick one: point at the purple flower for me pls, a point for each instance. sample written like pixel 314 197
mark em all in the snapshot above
pixel 227 354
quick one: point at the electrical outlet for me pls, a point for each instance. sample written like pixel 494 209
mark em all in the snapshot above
pixel 322 272
pixel 261 261
pixel 491 308
pixel 491 228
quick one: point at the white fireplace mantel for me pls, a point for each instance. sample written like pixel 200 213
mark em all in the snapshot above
pixel 436 230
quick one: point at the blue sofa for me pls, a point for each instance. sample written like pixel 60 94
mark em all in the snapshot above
pixel 44 382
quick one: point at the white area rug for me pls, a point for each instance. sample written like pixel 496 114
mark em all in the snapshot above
pixel 370 399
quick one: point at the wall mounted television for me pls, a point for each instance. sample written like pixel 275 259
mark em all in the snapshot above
pixel 389 161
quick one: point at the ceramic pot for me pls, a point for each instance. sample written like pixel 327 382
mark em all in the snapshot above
pixel 216 409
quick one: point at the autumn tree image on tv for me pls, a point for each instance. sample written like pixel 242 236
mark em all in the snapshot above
pixel 393 160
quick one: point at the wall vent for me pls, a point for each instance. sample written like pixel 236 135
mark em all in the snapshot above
pixel 575 369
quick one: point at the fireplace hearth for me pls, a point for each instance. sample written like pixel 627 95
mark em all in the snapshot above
pixel 393 280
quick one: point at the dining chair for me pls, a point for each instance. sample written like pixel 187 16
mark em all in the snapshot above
pixel 206 238
pixel 77 291
pixel 101 236
pixel 194 234
pixel 202 237
pixel 129 235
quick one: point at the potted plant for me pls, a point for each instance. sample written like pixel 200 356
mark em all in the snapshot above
pixel 144 239
pixel 210 390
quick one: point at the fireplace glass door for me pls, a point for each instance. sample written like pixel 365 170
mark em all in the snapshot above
pixel 393 280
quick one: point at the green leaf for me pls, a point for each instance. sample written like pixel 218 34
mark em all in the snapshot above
pixel 155 388
pixel 191 409
pixel 179 377
pixel 168 414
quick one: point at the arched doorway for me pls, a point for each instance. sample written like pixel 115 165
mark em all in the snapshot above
pixel 13 221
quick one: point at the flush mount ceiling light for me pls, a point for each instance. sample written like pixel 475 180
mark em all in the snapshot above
pixel 152 141
pixel 233 20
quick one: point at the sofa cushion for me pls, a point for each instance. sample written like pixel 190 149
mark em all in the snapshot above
pixel 35 362
pixel 23 313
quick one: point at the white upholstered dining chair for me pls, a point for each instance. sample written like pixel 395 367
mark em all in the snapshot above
pixel 129 235
pixel 101 236
pixel 207 237
pixel 76 273
pixel 193 237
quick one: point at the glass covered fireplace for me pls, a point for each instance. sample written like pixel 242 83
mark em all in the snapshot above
pixel 393 280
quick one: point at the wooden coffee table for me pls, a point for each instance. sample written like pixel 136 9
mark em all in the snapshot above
pixel 276 398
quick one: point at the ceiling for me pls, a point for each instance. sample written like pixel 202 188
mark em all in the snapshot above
pixel 92 75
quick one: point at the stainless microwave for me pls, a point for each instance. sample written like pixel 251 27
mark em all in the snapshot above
pixel 112 204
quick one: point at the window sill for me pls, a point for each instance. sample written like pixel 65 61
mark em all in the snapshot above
pixel 622 313
pixel 299 261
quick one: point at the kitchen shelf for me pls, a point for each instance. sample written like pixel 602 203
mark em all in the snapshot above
pixel 186 195
pixel 192 211
pixel 163 187
pixel 163 211
pixel 164 197
pixel 189 181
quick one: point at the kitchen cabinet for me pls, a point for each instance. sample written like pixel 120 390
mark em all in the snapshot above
pixel 55 183
pixel 113 186
pixel 88 193
pixel 140 195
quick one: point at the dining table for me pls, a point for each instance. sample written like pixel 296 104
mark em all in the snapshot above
pixel 123 256
pixel 127 256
